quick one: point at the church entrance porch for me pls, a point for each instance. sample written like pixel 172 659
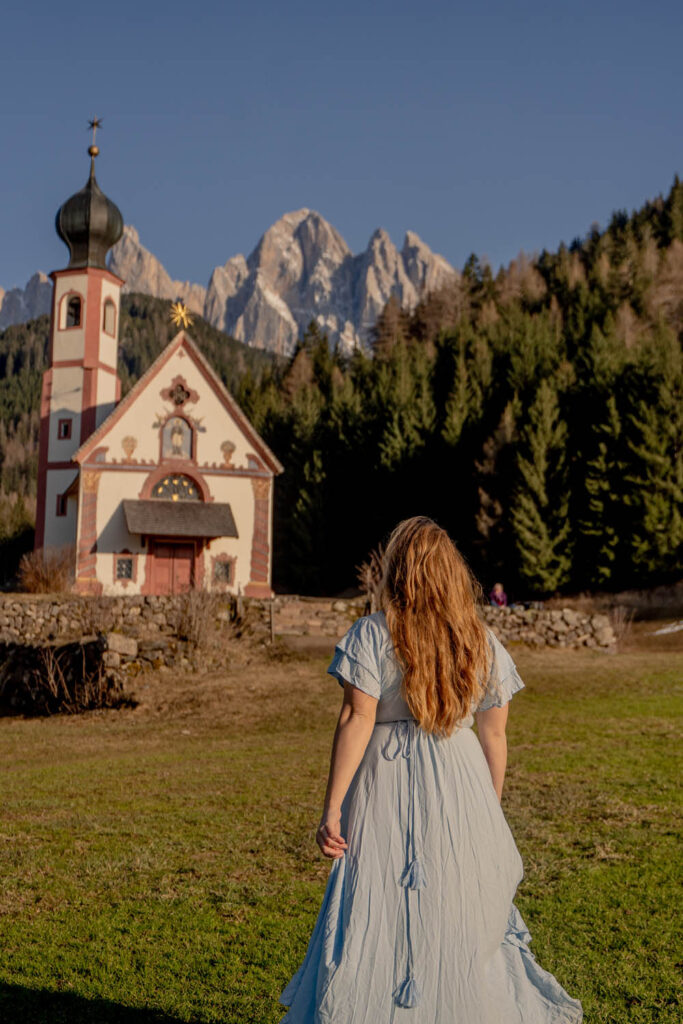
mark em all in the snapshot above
pixel 173 566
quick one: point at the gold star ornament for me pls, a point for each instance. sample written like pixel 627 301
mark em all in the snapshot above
pixel 180 314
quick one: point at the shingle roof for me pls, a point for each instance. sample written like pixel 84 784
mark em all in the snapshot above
pixel 179 518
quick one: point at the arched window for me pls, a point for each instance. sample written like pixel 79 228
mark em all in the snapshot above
pixel 70 311
pixel 73 311
pixel 176 487
pixel 176 440
pixel 109 318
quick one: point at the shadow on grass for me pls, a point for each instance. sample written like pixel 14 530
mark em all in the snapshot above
pixel 32 1006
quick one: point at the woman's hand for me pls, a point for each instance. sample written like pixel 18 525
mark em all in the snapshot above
pixel 329 838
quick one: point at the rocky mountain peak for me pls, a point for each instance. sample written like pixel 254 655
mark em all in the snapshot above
pixel 300 270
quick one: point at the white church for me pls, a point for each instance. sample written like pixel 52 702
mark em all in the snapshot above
pixel 167 489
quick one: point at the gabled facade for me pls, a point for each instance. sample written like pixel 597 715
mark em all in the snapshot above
pixel 168 489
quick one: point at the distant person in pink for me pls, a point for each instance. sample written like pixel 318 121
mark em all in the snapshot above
pixel 498 596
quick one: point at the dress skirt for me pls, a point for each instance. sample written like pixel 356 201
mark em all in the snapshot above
pixel 417 922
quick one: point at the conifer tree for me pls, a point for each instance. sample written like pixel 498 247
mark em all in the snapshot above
pixel 655 440
pixel 539 514
pixel 603 527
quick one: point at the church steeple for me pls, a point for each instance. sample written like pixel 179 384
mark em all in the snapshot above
pixel 81 384
pixel 88 222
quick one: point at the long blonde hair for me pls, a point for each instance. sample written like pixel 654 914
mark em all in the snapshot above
pixel 429 597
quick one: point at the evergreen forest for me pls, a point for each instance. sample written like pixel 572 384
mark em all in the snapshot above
pixel 535 413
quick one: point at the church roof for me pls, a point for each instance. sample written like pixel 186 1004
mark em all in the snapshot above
pixel 179 518
pixel 184 341
pixel 89 223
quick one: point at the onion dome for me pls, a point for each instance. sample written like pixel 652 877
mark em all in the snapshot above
pixel 89 223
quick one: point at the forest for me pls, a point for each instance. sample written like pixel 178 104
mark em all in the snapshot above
pixel 535 413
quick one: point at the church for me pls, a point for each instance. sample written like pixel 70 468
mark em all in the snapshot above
pixel 166 489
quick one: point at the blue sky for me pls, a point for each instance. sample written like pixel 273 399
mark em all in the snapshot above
pixel 488 127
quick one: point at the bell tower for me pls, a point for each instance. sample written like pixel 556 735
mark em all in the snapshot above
pixel 81 385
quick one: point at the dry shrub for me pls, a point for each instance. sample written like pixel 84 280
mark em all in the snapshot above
pixel 369 575
pixel 621 619
pixel 67 679
pixel 47 570
pixel 196 616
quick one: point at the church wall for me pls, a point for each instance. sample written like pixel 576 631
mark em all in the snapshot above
pixel 238 492
pixel 65 403
pixel 214 426
pixel 59 530
pixel 106 395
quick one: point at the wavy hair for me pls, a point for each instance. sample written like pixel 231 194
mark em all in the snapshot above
pixel 429 597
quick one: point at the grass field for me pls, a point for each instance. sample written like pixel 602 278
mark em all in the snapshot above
pixel 158 864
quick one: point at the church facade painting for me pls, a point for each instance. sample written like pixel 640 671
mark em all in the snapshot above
pixel 167 489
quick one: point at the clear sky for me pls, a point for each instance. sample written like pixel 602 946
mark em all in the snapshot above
pixel 487 127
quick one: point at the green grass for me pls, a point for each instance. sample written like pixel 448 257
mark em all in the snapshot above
pixel 159 864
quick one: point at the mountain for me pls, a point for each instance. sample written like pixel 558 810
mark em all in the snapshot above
pixel 143 272
pixel 21 304
pixel 301 270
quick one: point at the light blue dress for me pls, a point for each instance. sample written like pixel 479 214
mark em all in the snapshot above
pixel 417 922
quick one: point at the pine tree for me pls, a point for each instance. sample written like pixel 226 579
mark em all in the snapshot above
pixel 655 441
pixel 539 515
pixel 603 525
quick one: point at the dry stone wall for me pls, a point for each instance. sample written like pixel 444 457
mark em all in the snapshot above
pixel 145 631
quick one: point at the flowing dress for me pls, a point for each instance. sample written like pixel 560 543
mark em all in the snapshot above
pixel 417 923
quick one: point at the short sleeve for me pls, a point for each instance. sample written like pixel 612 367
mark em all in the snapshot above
pixel 503 681
pixel 357 657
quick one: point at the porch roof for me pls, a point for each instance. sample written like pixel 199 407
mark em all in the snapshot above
pixel 159 518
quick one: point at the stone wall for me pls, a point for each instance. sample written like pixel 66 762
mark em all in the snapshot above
pixel 157 634
pixel 536 627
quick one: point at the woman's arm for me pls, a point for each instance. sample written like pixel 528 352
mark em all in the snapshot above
pixel 491 730
pixel 351 737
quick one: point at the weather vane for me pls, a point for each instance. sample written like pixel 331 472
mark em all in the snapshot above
pixel 94 149
pixel 180 314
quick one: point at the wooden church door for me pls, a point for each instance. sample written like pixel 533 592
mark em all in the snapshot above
pixel 173 567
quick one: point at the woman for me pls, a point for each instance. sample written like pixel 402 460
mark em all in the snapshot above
pixel 417 922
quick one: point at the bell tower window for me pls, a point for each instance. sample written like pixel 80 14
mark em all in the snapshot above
pixel 73 312
pixel 70 311
pixel 109 318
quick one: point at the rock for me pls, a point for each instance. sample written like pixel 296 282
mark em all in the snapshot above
pixel 142 272
pixel 110 659
pixel 117 643
pixel 605 636
pixel 21 304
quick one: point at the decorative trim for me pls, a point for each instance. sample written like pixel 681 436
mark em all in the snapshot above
pixel 259 583
pixel 179 393
pixel 86 556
